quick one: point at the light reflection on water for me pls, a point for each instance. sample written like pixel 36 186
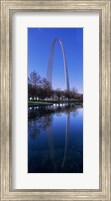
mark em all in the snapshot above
pixel 55 139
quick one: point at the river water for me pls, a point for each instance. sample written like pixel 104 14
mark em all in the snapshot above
pixel 55 139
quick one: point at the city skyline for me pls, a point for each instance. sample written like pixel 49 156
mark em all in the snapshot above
pixel 39 44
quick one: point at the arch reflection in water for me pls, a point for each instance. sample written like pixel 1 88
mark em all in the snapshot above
pixel 51 143
pixel 57 142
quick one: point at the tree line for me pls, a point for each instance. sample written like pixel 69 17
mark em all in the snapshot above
pixel 41 89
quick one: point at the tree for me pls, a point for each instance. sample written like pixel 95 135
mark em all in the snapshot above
pixel 74 90
pixel 45 84
pixel 31 91
pixel 67 94
pixel 58 93
pixel 34 78
pixel 46 88
pixel 41 88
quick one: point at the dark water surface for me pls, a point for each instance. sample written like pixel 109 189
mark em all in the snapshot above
pixel 55 139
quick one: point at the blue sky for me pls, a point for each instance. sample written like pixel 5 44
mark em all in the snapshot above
pixel 39 44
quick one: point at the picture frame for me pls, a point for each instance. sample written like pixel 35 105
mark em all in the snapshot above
pixel 7 9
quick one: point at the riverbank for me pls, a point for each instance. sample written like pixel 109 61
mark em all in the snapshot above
pixel 51 102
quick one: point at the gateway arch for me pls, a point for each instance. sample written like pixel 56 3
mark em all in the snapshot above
pixel 50 63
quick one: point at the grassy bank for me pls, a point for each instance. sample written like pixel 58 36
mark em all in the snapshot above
pixel 51 102
pixel 38 103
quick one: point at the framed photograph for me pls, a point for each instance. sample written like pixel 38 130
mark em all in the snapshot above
pixel 51 108
pixel 55 100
